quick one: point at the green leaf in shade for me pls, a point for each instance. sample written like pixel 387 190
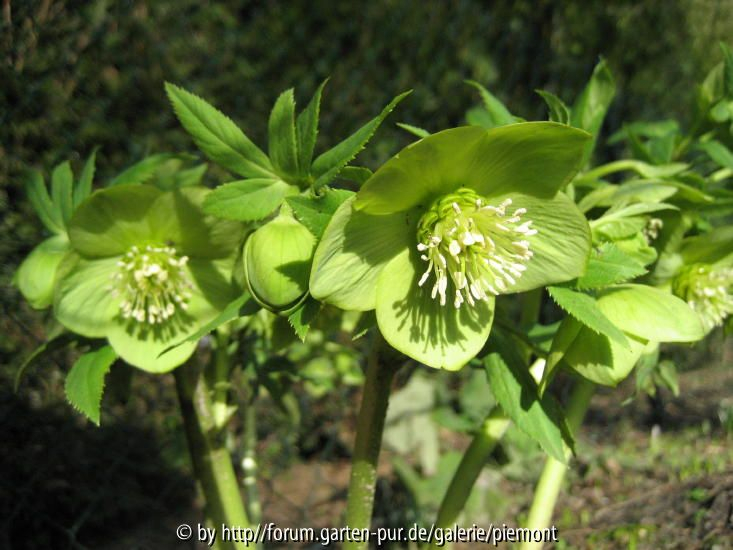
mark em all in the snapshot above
pixel 591 106
pixel 302 317
pixel 498 113
pixel 540 418
pixel 85 381
pixel 62 185
pixel 559 112
pixel 414 130
pixel 328 165
pixel 316 212
pixel 646 129
pixel 239 307
pixel 650 313
pixel 708 247
pixel 585 310
pixel 83 187
pixel 144 170
pixel 36 276
pixel 283 146
pixel 607 266
pixel 357 174
pixel 56 340
pixel 727 69
pixel 718 152
pixel 306 130
pixel 247 200
pixel 217 136
pixel 38 196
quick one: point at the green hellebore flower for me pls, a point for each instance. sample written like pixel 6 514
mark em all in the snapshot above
pixel 146 269
pixel 449 223
pixel 708 289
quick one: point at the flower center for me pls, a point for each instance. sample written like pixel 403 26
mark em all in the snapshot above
pixel 481 248
pixel 707 291
pixel 152 284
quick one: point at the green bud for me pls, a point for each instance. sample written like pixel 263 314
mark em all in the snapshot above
pixel 277 263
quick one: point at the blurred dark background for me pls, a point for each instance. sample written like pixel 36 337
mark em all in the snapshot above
pixel 75 75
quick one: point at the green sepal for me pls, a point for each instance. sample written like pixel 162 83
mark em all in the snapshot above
pixel 283 146
pixel 247 200
pixel 218 137
pixel 534 158
pixel 36 276
pixel 85 382
pixel 442 337
pixel 354 248
pixel 327 166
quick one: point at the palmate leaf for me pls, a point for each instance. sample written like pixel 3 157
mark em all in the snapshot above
pixel 718 152
pixel 414 130
pixel 328 165
pixel 218 137
pixel 302 317
pixel 591 107
pixel 585 310
pixel 40 200
pixel 85 381
pixel 316 212
pixel 282 144
pixel 144 170
pixel 559 112
pixel 247 200
pixel 541 418
pixel 306 130
pixel 607 266
pixel 83 187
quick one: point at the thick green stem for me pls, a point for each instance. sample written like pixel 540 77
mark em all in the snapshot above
pixel 212 463
pixel 470 467
pixel 548 487
pixel 370 425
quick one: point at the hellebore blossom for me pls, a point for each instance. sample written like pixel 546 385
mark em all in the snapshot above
pixel 146 269
pixel 708 290
pixel 448 224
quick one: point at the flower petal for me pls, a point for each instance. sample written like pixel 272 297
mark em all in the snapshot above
pixel 354 249
pixel 562 244
pixel 83 301
pixel 417 325
pixel 535 158
pixel 36 275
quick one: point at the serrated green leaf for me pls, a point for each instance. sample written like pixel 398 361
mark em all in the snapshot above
pixel 357 174
pixel 585 310
pixel 607 266
pixel 217 136
pixel 247 200
pixel 62 185
pixel 40 200
pixel 328 165
pixel 718 152
pixel 85 381
pixel 559 112
pixel 242 306
pixel 414 130
pixel 56 340
pixel 315 212
pixel 83 187
pixel 302 317
pixel 591 107
pixel 540 418
pixel 498 113
pixel 306 128
pixel 144 170
pixel 282 145
pixel 367 320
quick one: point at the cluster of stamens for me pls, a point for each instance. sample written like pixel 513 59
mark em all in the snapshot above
pixel 707 291
pixel 482 249
pixel 152 284
pixel 651 230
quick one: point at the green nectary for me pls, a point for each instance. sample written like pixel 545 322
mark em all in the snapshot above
pixel 277 262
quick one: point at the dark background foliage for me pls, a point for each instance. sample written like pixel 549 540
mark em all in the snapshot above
pixel 79 74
